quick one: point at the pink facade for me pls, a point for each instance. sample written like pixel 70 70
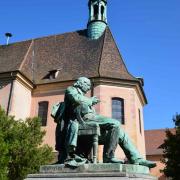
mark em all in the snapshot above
pixel 20 101
pixel 5 88
pixel 50 128
pixel 25 103
pixel 55 93
pixel 132 105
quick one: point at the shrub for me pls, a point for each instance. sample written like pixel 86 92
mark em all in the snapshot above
pixel 21 147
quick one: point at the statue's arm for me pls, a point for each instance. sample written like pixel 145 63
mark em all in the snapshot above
pixel 78 114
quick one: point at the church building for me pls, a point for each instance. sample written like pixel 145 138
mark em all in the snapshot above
pixel 35 73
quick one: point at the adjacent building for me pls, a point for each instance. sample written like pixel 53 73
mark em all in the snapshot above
pixel 153 140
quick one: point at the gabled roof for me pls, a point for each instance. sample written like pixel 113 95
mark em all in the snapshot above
pixel 72 53
pixel 154 139
pixel 11 56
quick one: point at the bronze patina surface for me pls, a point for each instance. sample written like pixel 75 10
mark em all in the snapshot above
pixel 77 110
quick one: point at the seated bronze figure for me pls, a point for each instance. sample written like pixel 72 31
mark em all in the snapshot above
pixel 77 110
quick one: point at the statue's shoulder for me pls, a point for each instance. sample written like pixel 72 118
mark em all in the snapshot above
pixel 71 89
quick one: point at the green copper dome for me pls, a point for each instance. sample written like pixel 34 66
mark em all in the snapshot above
pixel 97 18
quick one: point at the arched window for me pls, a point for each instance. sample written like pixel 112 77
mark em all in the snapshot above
pixel 43 112
pixel 102 12
pixel 118 109
pixel 96 11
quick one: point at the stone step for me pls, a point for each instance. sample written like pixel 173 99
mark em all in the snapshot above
pixel 93 172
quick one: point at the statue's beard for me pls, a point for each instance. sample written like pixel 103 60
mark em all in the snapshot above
pixel 84 90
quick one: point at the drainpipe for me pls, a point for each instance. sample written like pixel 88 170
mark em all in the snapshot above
pixel 92 88
pixel 10 95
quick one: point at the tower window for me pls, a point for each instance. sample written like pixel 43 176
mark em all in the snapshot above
pixel 102 12
pixel 43 112
pixel 96 11
pixel 118 109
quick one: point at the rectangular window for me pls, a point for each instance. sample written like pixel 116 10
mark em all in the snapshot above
pixel 118 109
pixel 43 112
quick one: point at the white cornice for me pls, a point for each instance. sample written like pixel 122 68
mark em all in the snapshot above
pixel 16 75
pixel 61 86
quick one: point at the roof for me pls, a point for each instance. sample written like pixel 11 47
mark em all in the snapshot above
pixel 154 139
pixel 11 56
pixel 72 53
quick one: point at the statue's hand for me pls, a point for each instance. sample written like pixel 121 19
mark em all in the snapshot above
pixel 95 100
pixel 82 123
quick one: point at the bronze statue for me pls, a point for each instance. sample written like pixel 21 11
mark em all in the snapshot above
pixel 78 109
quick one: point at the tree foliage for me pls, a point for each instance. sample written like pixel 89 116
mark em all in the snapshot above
pixel 171 148
pixel 21 149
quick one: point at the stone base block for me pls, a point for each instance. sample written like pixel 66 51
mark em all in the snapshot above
pixel 93 172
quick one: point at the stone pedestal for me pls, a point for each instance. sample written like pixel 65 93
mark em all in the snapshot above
pixel 93 172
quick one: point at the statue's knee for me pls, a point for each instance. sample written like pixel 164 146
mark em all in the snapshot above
pixel 116 123
pixel 74 126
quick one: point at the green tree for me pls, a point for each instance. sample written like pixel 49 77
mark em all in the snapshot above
pixel 21 147
pixel 171 148
pixel 3 158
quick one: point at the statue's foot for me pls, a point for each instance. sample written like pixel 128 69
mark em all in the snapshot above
pixel 112 160
pixel 144 162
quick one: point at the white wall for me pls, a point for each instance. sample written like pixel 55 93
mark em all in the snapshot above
pixel 21 101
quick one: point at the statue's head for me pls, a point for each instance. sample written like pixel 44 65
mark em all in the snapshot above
pixel 83 83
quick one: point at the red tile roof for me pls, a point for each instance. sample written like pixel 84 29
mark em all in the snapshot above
pixel 72 53
pixel 154 139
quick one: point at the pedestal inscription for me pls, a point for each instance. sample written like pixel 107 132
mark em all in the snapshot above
pixel 93 171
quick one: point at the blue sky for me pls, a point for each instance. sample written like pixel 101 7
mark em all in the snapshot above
pixel 147 33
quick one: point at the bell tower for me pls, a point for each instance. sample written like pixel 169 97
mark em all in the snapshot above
pixel 97 18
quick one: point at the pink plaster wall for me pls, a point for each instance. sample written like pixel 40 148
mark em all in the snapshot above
pixel 105 94
pixel 53 95
pixel 50 128
pixel 4 94
pixel 131 106
pixel 20 101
